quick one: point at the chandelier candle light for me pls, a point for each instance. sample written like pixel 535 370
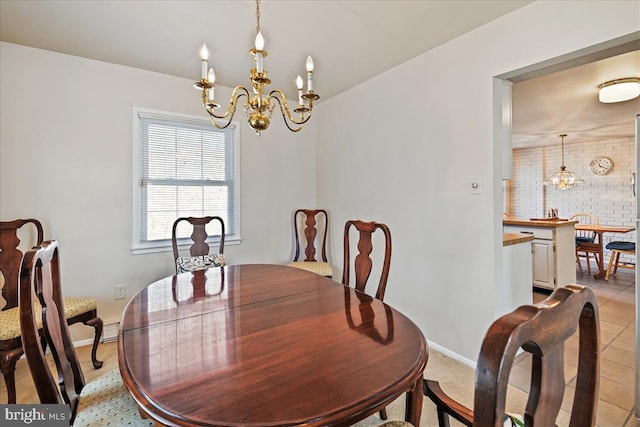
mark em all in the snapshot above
pixel 258 107
pixel 563 179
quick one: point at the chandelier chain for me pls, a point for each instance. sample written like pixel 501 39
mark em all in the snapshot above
pixel 257 16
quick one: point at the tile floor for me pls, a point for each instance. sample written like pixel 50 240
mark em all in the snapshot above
pixel 616 299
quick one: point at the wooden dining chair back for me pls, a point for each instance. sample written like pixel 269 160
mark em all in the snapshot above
pixel 17 236
pixel 42 309
pixel 306 224
pixel 542 330
pixel 362 262
pixel 199 256
pixel 587 244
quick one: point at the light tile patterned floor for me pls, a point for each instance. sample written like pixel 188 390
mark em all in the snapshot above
pixel 616 300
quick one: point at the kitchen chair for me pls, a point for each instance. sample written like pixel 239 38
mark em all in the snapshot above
pixel 618 248
pixel 586 241
pixel 199 257
pixel 363 265
pixel 542 330
pixel 102 402
pixel 313 219
pixel 83 310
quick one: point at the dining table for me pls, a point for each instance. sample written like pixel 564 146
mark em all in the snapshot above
pixel 598 245
pixel 266 345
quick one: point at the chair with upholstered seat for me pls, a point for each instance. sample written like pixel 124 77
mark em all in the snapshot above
pixel 314 219
pixel 199 256
pixel 84 310
pixel 362 262
pixel 586 241
pixel 542 330
pixel 618 248
pixel 104 401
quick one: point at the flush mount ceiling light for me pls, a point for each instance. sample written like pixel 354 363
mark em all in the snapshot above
pixel 619 90
pixel 563 179
pixel 259 104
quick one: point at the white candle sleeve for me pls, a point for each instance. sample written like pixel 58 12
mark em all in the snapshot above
pixel 205 66
pixel 310 81
pixel 259 62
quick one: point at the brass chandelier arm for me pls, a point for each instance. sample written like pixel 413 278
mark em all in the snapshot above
pixel 231 109
pixel 286 113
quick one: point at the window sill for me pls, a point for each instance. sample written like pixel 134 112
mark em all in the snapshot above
pixel 165 246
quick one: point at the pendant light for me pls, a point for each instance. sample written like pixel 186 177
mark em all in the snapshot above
pixel 563 179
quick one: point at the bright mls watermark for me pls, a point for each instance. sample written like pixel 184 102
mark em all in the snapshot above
pixel 35 415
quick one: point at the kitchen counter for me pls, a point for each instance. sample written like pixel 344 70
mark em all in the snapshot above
pixel 517 273
pixel 554 247
pixel 509 239
pixel 542 222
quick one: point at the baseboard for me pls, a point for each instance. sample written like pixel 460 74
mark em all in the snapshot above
pixel 109 334
pixel 453 355
pixel 110 331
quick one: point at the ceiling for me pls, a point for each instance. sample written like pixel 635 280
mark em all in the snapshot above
pixel 350 41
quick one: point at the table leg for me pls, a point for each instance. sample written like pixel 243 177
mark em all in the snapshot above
pixel 413 408
pixel 601 270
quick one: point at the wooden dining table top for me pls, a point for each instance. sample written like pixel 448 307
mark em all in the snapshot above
pixel 605 228
pixel 266 345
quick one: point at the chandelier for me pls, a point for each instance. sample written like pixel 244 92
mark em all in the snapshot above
pixel 258 105
pixel 563 179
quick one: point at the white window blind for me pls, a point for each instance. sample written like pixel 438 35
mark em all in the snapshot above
pixel 185 167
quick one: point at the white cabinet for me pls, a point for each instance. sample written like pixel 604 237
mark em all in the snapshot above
pixel 516 275
pixel 544 265
pixel 553 260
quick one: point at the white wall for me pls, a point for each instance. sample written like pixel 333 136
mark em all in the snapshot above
pixel 402 147
pixel 66 159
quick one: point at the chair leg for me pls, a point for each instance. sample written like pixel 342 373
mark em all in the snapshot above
pixel 615 265
pixel 96 322
pixel 8 361
pixel 383 414
pixel 578 261
pixel 443 418
pixel 588 262
pixel 611 261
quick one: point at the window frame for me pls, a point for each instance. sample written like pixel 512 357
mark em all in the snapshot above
pixel 232 237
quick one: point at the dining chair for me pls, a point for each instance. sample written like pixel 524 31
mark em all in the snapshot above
pixel 84 310
pixel 313 219
pixel 199 257
pixel 542 330
pixel 105 401
pixel 586 241
pixel 618 248
pixel 362 262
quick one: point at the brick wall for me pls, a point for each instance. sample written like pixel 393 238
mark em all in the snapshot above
pixel 608 197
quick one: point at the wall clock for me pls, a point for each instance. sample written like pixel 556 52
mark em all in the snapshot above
pixel 601 165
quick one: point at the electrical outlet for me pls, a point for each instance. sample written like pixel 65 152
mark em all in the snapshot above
pixel 121 292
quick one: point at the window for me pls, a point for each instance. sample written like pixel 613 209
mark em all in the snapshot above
pixel 183 166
